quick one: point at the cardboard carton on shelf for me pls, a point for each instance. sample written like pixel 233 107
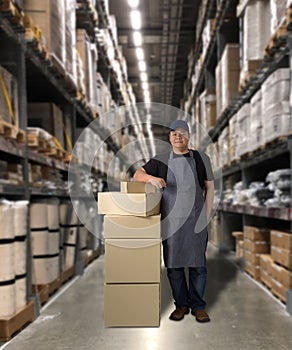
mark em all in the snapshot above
pixel 137 204
pixel 256 234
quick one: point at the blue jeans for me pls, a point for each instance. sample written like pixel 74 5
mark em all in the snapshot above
pixel 192 296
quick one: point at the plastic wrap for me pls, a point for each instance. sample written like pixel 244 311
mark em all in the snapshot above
pixel 70 26
pixel 7 220
pixel 233 138
pixel 256 138
pixel 218 73
pixel 7 300
pixel 6 261
pixel 223 144
pixel 243 127
pixel 278 11
pixel 38 215
pixel 256 33
pixel 20 292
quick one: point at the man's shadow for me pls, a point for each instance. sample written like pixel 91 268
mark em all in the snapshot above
pixel 221 271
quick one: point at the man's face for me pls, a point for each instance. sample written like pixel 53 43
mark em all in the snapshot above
pixel 179 138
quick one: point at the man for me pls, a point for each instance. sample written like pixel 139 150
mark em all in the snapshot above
pixel 188 191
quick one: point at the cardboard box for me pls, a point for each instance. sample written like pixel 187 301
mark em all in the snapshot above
pixel 116 226
pixel 265 261
pixel 281 239
pixel 132 260
pixel 137 187
pixel 253 258
pixel 47 116
pixel 128 305
pixel 282 275
pixel 256 246
pixel 256 234
pixel 265 277
pixel 253 270
pixel 279 290
pixel 137 204
pixel 49 16
pixel 282 256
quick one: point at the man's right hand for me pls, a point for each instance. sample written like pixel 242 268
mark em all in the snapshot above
pixel 158 182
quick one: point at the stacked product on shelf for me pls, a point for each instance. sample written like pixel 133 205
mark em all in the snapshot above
pixel 20 253
pixel 266 269
pixel 214 230
pixel 11 173
pixel 256 242
pixel 256 130
pixel 243 129
pixel 45 237
pixel 8 97
pixel 88 55
pixel 208 109
pixel 132 255
pixel 275 107
pixel 227 74
pixel 12 256
pixel 233 138
pixel 281 267
pixel 69 224
pixel 223 145
pixel 239 244
pixel 256 33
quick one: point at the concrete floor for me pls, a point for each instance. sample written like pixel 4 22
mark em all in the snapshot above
pixel 244 316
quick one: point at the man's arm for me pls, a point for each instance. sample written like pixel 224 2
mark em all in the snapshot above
pixel 209 197
pixel 142 176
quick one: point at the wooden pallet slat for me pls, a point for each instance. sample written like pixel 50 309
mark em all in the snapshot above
pixel 10 325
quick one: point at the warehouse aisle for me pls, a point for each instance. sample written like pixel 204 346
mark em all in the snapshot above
pixel 243 316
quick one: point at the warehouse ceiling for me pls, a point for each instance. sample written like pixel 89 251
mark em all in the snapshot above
pixel 168 32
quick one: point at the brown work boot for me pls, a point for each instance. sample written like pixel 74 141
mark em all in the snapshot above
pixel 201 316
pixel 179 313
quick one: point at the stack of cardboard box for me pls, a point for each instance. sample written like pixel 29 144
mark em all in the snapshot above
pixel 256 242
pixel 281 268
pixel 132 255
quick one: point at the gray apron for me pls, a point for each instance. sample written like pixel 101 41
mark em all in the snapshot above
pixel 183 215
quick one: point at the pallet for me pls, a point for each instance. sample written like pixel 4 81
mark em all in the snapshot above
pixel 276 140
pixel 12 12
pixel 95 254
pixel 8 130
pixel 43 292
pixel 15 323
pixel 36 142
pixel 67 274
pixel 277 40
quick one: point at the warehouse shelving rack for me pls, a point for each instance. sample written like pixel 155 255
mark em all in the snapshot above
pixel 38 79
pixel 276 154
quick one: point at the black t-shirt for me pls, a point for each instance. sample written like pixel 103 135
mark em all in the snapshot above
pixel 158 166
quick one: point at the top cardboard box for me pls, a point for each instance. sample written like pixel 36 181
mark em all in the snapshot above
pixel 137 187
pixel 137 204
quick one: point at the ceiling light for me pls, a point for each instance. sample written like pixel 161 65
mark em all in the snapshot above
pixel 137 37
pixel 136 19
pixel 144 76
pixel 145 85
pixel 140 54
pixel 133 3
pixel 142 66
